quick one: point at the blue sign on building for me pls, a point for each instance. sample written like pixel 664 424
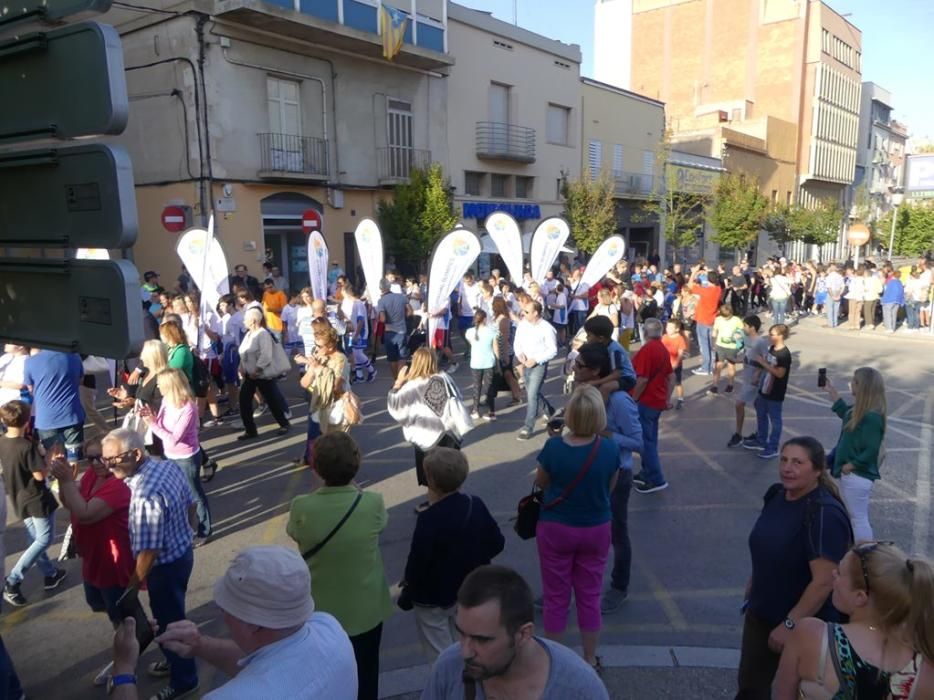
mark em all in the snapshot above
pixel 520 212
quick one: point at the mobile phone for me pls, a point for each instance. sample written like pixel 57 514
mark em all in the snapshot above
pixel 822 377
pixel 128 605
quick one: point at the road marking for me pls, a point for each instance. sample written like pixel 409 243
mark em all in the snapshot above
pixel 715 466
pixel 276 526
pixel 664 598
pixel 923 482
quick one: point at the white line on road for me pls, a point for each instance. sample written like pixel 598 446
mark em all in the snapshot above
pixel 923 482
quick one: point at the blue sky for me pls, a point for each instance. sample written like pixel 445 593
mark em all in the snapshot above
pixel 897 44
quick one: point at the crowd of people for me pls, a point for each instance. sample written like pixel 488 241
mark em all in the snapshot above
pixel 308 621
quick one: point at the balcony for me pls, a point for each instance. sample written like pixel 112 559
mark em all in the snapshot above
pixel 499 141
pixel 394 163
pixel 349 25
pixel 638 185
pixel 288 157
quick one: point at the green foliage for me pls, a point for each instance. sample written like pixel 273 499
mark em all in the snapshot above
pixel 590 210
pixel 419 215
pixel 738 211
pixel 914 229
pixel 817 226
pixel 681 214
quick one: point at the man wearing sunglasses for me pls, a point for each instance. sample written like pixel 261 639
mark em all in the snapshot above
pixel 162 517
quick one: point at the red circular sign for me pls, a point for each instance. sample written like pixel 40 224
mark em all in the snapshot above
pixel 173 219
pixel 311 221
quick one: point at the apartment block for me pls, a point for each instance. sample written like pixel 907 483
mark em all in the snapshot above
pixel 880 156
pixel 513 119
pixel 265 111
pixel 771 86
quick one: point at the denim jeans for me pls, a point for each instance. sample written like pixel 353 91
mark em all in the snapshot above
pixel 42 532
pixel 768 412
pixel 705 341
pixel 9 682
pixel 913 314
pixel 890 316
pixel 779 306
pixel 71 436
pixel 622 548
pixel 192 468
pixel 534 380
pixel 651 471
pixel 833 312
pixel 168 584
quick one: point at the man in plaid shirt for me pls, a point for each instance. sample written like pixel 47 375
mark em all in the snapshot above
pixel 162 516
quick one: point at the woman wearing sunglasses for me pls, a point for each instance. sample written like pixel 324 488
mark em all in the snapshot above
pixel 889 598
pixel 99 505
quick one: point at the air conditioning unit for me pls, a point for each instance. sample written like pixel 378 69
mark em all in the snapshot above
pixel 336 198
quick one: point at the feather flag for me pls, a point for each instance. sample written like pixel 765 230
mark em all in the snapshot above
pixel 392 29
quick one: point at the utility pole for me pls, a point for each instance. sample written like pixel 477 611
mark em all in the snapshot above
pixel 515 12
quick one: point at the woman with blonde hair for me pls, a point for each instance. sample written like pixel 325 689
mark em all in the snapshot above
pixel 889 599
pixel 429 407
pixel 326 379
pixel 856 459
pixel 145 390
pixel 577 471
pixel 176 423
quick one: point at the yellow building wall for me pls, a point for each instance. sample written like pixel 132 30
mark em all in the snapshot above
pixel 239 232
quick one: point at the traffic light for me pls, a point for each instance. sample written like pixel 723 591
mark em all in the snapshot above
pixel 65 83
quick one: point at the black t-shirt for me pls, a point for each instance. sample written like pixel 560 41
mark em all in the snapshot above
pixel 774 388
pixel 19 459
pixel 786 538
pixel 738 281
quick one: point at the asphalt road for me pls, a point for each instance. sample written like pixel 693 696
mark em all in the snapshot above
pixel 690 554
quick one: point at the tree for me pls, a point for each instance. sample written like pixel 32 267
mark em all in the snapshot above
pixel 778 224
pixel 738 211
pixel 419 214
pixel 821 225
pixel 681 214
pixel 589 209
pixel 914 229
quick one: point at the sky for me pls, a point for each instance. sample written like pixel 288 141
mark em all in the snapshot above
pixel 897 42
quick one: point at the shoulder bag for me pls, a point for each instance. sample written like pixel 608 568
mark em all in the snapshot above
pixel 306 555
pixel 280 360
pixel 530 507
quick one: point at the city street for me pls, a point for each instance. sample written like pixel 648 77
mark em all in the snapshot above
pixel 690 554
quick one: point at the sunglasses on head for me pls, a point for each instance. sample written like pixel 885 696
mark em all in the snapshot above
pixel 862 551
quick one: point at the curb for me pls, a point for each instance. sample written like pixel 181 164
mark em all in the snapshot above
pixel 412 679
pixel 816 323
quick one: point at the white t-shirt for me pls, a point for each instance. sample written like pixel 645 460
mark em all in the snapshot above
pixel 289 317
pixel 580 304
pixel 315 662
pixel 468 297
pixel 210 321
pixel 12 369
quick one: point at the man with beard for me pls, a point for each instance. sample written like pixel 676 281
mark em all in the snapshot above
pixel 499 654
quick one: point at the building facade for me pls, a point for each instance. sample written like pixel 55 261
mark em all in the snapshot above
pixel 880 157
pixel 777 83
pixel 622 135
pixel 266 111
pixel 513 119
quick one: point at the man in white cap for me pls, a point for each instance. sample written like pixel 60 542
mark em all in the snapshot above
pixel 279 647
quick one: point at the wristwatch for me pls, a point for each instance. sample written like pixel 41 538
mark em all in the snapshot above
pixel 789 623
pixel 120 679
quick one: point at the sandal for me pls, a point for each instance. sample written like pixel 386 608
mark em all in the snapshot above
pixel 208 471
pixel 597 666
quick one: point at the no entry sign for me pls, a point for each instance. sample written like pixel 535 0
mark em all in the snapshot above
pixel 311 221
pixel 173 219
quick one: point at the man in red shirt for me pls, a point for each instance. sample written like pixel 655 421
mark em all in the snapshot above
pixel 705 313
pixel 654 383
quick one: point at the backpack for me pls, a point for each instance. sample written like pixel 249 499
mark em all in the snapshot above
pixel 200 376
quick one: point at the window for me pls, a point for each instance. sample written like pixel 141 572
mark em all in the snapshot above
pixel 774 196
pixel 617 159
pixel 499 103
pixel 473 183
pixel 524 187
pixel 595 158
pixel 499 186
pixel 282 99
pixel 557 121
pixel 788 198
pixel 399 137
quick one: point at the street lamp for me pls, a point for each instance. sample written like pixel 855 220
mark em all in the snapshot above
pixel 897 198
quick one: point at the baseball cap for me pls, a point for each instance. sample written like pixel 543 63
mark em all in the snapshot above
pixel 267 586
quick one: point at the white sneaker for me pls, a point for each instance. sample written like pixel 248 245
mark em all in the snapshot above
pixel 288 414
pixel 260 410
pixel 475 415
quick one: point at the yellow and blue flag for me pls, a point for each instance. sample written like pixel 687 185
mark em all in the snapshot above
pixel 392 28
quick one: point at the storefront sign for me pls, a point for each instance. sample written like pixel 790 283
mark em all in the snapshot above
pixel 519 212
pixel 693 180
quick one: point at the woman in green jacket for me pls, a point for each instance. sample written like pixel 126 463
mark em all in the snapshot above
pixel 858 455
pixel 179 353
pixel 347 571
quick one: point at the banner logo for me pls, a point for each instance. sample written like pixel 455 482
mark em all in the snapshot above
pixel 553 232
pixel 460 245
pixel 319 249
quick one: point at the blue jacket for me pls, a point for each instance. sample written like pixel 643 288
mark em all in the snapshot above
pixel 894 292
pixel 622 422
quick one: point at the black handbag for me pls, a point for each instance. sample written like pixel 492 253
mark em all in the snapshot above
pixel 530 507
